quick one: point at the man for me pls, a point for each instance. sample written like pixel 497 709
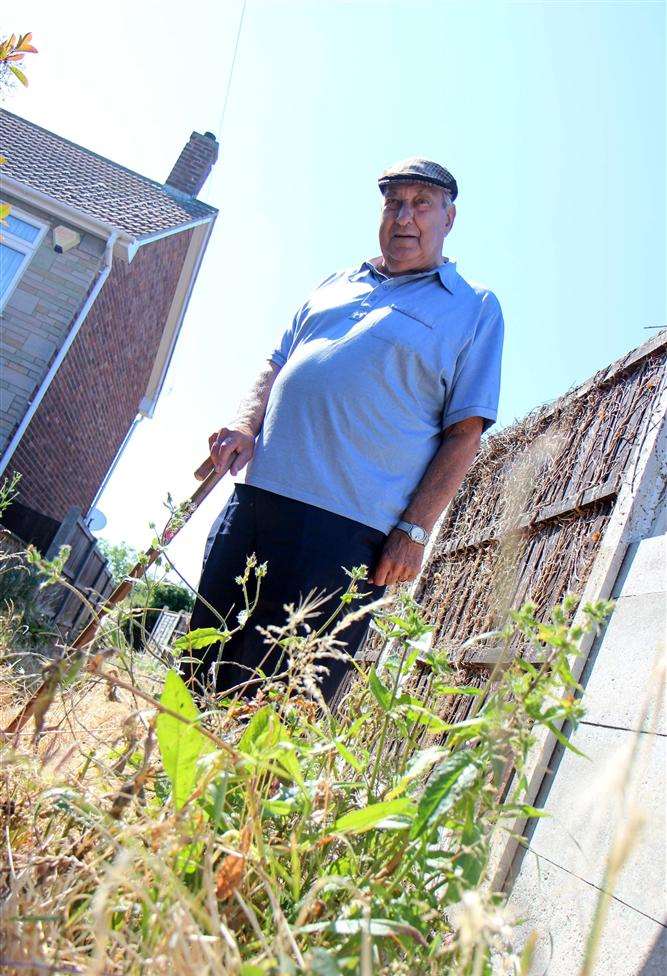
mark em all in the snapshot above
pixel 358 431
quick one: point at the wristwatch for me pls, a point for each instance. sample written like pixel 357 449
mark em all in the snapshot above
pixel 416 532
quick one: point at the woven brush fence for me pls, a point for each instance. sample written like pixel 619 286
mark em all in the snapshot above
pixel 527 522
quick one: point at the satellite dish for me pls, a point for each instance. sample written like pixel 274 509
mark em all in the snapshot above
pixel 96 520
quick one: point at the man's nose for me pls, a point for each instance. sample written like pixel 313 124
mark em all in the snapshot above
pixel 404 215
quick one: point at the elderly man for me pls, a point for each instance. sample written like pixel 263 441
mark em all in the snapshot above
pixel 358 431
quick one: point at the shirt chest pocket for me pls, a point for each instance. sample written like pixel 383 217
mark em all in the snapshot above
pixel 402 346
pixel 403 325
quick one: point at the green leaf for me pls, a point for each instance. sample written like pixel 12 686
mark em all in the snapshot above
pixel 564 741
pixel 180 743
pixel 189 858
pixel 257 729
pixel 382 694
pixel 278 808
pixel 358 821
pixel 202 637
pixel 528 811
pixel 457 772
pixel 424 716
pixel 249 969
pixel 470 865
pixel 420 762
pixel 19 74
pixel 349 757
pixel 266 738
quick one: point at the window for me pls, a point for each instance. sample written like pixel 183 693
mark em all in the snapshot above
pixel 20 236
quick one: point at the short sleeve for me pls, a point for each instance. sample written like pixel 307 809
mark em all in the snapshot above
pixel 290 336
pixel 476 385
pixel 281 352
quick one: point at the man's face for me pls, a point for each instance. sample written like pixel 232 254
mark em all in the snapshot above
pixel 415 221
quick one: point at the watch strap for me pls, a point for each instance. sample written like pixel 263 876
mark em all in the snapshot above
pixel 407 527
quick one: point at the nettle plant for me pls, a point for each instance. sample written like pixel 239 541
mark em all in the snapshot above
pixel 272 836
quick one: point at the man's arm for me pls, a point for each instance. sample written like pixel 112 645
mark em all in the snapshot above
pixel 240 436
pixel 401 558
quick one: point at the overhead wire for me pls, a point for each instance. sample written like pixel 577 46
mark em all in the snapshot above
pixel 231 72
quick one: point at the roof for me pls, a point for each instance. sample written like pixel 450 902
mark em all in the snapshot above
pixel 94 185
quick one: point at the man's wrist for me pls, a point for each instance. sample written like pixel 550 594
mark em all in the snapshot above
pixel 244 426
pixel 417 533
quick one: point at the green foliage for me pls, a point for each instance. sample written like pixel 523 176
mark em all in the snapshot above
pixel 294 840
pixel 23 624
pixel 12 50
pixel 181 743
pixel 9 487
pixel 120 556
pixel 148 597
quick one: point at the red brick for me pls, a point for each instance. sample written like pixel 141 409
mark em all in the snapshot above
pixel 73 438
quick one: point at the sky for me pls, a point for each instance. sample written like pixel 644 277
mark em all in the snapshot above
pixel 550 115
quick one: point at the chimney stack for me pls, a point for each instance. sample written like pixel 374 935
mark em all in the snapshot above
pixel 194 164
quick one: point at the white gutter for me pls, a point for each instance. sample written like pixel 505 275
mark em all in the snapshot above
pixel 169 232
pixel 84 221
pixel 64 211
pixel 62 352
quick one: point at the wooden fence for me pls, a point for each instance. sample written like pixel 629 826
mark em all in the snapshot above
pixel 86 570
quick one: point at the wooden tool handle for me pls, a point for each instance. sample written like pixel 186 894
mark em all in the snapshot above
pixel 206 467
pixel 204 470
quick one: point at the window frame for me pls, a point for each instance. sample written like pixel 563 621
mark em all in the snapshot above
pixel 27 248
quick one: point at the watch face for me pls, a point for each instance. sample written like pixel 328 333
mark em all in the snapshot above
pixel 417 534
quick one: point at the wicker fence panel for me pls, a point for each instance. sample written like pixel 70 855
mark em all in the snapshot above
pixel 528 520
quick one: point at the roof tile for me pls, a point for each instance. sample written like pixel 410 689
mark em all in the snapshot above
pixel 99 187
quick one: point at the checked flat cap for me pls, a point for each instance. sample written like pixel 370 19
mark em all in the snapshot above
pixel 418 170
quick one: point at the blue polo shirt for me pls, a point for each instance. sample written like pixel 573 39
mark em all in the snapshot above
pixel 373 368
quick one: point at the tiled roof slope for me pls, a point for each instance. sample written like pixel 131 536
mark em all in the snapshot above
pixel 97 186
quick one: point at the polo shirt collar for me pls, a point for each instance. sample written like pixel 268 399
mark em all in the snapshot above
pixel 446 272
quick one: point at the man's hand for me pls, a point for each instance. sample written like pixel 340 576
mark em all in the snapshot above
pixel 231 444
pixel 400 560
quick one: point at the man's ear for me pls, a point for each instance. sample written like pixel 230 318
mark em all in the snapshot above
pixel 451 214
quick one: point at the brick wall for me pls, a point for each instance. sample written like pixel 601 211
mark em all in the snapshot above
pixel 94 397
pixel 195 162
pixel 38 315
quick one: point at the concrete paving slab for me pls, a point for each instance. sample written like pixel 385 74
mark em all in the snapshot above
pixel 645 568
pixel 560 908
pixel 619 677
pixel 593 804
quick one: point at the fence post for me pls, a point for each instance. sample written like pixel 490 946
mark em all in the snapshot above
pixel 64 532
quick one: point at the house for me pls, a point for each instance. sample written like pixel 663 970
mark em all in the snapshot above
pixel 97 265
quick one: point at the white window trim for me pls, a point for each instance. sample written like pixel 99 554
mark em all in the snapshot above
pixel 27 248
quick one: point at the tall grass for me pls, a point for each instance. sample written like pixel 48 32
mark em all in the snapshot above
pixel 272 836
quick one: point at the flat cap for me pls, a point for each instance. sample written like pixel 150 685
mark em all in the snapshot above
pixel 418 170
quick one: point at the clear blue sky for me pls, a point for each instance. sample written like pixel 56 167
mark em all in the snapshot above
pixel 551 116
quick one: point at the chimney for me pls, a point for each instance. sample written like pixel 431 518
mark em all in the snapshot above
pixel 194 164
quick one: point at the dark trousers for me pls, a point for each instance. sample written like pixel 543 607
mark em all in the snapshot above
pixel 306 548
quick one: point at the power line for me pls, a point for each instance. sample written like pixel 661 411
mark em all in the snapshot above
pixel 231 71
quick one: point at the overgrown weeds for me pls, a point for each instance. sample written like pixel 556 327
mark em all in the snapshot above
pixel 271 836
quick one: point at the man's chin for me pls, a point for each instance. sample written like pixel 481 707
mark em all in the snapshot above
pixel 404 244
pixel 403 260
